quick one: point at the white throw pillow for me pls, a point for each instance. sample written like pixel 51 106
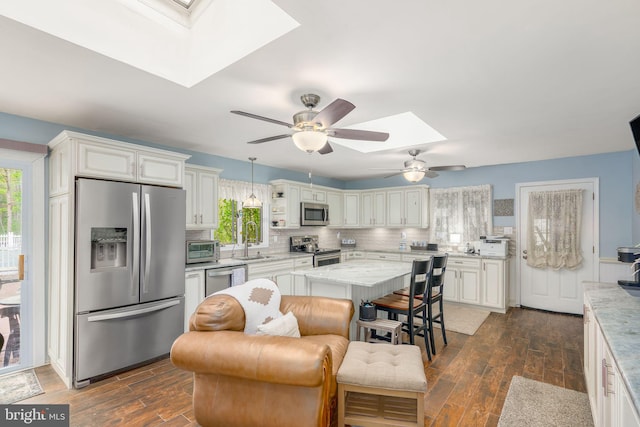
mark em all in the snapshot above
pixel 286 326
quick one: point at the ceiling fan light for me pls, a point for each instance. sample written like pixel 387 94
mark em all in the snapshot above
pixel 309 140
pixel 413 175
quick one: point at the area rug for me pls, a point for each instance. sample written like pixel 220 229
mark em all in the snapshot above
pixel 531 403
pixel 465 320
pixel 19 386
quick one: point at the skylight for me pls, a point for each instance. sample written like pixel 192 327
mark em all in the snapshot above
pixel 405 130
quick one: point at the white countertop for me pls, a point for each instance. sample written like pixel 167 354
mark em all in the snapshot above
pixel 358 273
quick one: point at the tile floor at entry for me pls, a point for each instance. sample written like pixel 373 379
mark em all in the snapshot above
pixel 467 380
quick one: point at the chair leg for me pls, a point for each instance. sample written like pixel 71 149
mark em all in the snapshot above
pixel 444 334
pixel 431 338
pixel 426 333
pixel 411 330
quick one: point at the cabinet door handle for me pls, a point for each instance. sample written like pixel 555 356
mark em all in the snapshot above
pixel 195 219
pixel 201 221
pixel 192 276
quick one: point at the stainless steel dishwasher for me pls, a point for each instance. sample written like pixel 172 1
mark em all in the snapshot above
pixel 217 279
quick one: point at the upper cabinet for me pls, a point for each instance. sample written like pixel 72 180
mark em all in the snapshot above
pixel 308 194
pixel 351 209
pixel 285 204
pixel 408 207
pixel 75 154
pixel 373 208
pixel 201 184
pixel 335 200
pixel 381 207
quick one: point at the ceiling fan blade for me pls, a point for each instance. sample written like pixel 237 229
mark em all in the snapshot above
pixel 448 168
pixel 269 138
pixel 326 149
pixel 266 119
pixel 394 174
pixel 334 112
pixel 360 135
pixel 430 174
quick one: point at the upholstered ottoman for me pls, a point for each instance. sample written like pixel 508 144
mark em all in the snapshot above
pixel 381 384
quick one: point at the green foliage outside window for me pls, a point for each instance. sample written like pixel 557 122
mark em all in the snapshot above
pixel 10 201
pixel 227 232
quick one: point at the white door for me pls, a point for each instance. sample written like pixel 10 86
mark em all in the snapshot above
pixel 559 290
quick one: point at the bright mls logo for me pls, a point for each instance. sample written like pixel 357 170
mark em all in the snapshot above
pixel 34 415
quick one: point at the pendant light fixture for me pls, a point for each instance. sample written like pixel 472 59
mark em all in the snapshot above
pixel 252 202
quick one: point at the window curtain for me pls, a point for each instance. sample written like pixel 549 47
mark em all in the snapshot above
pixel 241 190
pixel 553 229
pixel 460 214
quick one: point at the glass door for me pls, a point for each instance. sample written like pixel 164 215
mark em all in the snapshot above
pixel 13 293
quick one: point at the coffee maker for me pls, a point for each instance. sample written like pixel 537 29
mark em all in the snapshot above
pixel 630 255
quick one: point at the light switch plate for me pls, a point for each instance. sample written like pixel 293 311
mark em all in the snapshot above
pixel 508 230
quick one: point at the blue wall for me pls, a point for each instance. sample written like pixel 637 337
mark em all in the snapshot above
pixel 618 173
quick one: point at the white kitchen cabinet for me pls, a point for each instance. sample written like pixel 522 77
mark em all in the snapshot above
pixel 277 271
pixel 201 185
pixel 285 205
pixel 407 207
pixel 308 194
pixel 335 200
pixel 194 293
pixel 462 280
pixel 609 397
pixel 494 279
pixel 127 162
pixel 352 256
pixel 373 208
pixel 384 256
pixel 351 209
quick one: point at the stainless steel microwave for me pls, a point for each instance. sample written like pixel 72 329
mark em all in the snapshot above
pixel 202 251
pixel 314 214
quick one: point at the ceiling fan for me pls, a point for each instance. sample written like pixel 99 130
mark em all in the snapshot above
pixel 415 169
pixel 312 128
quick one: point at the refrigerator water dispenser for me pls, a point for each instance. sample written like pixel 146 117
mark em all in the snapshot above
pixel 108 248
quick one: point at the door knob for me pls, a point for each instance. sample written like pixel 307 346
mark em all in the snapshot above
pixel 524 251
pixel 524 257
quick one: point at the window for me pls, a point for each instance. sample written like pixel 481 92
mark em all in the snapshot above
pixel 236 222
pixel 460 214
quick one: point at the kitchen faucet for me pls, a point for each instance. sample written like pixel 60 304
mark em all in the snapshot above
pixel 246 236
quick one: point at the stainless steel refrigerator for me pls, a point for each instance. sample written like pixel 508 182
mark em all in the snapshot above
pixel 129 275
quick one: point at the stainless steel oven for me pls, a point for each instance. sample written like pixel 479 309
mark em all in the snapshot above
pixel 326 257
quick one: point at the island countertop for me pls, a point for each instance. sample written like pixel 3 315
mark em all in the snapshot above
pixel 618 315
pixel 357 273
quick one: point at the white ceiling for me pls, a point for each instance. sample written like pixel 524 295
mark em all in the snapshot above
pixel 502 81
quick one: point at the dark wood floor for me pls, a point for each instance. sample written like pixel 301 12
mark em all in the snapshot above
pixel 467 380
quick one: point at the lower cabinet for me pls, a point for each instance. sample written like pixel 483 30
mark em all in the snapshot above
pixel 280 272
pixel 462 280
pixel 193 294
pixel 610 402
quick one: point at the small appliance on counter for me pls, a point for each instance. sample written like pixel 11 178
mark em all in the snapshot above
pixel 202 251
pixel 630 255
pixel 493 246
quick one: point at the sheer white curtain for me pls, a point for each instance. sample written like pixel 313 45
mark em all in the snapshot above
pixel 241 190
pixel 460 214
pixel 553 229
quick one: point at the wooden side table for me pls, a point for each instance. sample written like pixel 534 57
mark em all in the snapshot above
pixel 392 326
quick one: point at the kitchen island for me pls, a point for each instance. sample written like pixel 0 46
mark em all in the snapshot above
pixel 354 280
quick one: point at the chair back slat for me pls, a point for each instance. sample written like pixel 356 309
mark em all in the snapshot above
pixel 439 267
pixel 420 277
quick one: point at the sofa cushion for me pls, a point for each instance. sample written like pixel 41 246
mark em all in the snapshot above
pixel 218 313
pixel 286 326
pixel 338 346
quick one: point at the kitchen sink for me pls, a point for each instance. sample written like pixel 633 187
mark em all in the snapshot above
pixel 252 257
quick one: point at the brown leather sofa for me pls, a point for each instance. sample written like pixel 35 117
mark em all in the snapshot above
pixel 260 380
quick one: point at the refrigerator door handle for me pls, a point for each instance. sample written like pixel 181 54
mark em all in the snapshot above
pixel 136 244
pixel 147 246
pixel 126 314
